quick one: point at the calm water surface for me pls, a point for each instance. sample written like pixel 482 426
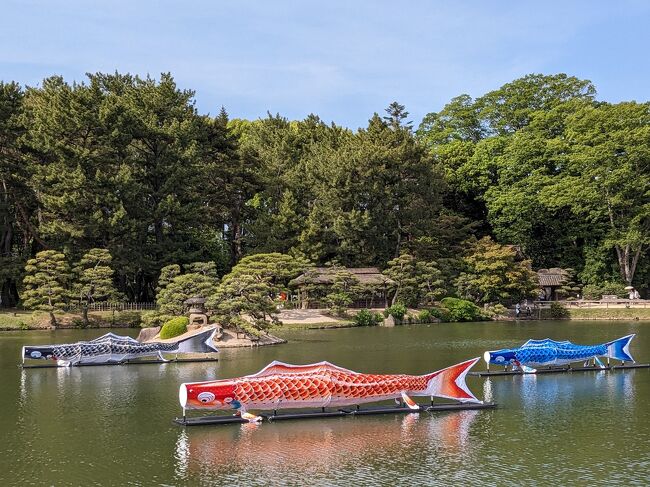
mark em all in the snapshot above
pixel 112 425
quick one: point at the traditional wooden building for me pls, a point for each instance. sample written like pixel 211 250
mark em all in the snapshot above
pixel 549 282
pixel 372 288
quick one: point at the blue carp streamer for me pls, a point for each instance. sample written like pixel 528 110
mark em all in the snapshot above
pixel 535 353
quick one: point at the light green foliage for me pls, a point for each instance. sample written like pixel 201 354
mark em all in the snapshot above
pixel 416 282
pixel 397 311
pixel 605 179
pixel 200 281
pixel 174 327
pixel 366 317
pixel 493 274
pixel 45 282
pixel 611 288
pixel 461 310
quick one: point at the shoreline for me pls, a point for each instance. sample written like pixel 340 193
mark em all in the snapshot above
pixel 27 321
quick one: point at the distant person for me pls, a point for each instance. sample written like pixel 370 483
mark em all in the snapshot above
pixel 527 310
pixel 517 310
pixel 636 294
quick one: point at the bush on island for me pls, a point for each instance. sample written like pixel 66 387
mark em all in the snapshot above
pixel 461 310
pixel 367 318
pixel 174 327
pixel 154 318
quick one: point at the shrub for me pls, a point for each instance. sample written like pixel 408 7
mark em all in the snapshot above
pixel 461 310
pixel 596 291
pixel 132 319
pixel 367 318
pixel 495 311
pixel 558 312
pixel 174 327
pixel 154 318
pixel 426 316
pixel 441 313
pixel 397 311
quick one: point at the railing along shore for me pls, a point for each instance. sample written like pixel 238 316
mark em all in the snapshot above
pixel 601 303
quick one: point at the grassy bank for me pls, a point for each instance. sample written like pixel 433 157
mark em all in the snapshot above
pixel 38 320
pixel 609 314
pixel 315 326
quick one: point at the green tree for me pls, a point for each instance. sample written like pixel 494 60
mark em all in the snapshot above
pixel 605 178
pixel 45 282
pixel 93 280
pixel 493 274
pixel 248 296
pixel 415 281
pixel 19 235
pixel 200 281
pixel 343 290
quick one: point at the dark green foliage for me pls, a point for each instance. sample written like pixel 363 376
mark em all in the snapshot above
pixel 126 164
pixel 461 310
pixel 174 327
pixel 367 318
pixel 558 311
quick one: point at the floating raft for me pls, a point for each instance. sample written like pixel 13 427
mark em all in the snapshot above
pixel 212 420
pixel 125 362
pixel 558 370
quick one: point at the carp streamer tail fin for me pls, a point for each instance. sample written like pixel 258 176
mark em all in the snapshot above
pixel 200 343
pixel 620 349
pixel 450 382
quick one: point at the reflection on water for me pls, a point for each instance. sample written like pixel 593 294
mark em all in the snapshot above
pixel 316 447
pixel 112 425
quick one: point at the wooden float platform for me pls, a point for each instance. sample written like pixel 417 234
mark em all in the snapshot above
pixel 558 370
pixel 126 362
pixel 338 413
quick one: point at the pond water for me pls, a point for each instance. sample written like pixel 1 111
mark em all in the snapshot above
pixel 113 425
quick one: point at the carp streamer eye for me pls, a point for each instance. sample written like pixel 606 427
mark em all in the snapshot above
pixel 206 397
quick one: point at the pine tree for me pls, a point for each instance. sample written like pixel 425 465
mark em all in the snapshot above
pixel 93 280
pixel 45 283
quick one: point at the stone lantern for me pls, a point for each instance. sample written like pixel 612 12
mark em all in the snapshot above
pixel 198 314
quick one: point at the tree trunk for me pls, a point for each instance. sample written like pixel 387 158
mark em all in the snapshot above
pixel 84 313
pixel 52 320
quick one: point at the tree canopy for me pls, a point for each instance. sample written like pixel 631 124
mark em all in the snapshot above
pixel 127 164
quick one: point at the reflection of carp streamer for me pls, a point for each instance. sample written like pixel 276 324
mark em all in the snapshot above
pixel 281 385
pixel 535 353
pixel 311 447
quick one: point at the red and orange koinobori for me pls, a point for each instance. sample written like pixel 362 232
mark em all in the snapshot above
pixel 283 386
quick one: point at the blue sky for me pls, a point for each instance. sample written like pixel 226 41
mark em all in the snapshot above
pixel 342 60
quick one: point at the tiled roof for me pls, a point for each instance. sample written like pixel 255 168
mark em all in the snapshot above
pixel 325 275
pixel 550 280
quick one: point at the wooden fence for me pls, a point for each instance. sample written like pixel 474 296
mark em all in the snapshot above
pixel 106 306
pixel 602 303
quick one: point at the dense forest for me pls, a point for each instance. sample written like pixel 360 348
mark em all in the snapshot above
pixel 127 164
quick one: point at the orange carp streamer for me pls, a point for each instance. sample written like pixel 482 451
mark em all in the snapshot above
pixel 283 386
